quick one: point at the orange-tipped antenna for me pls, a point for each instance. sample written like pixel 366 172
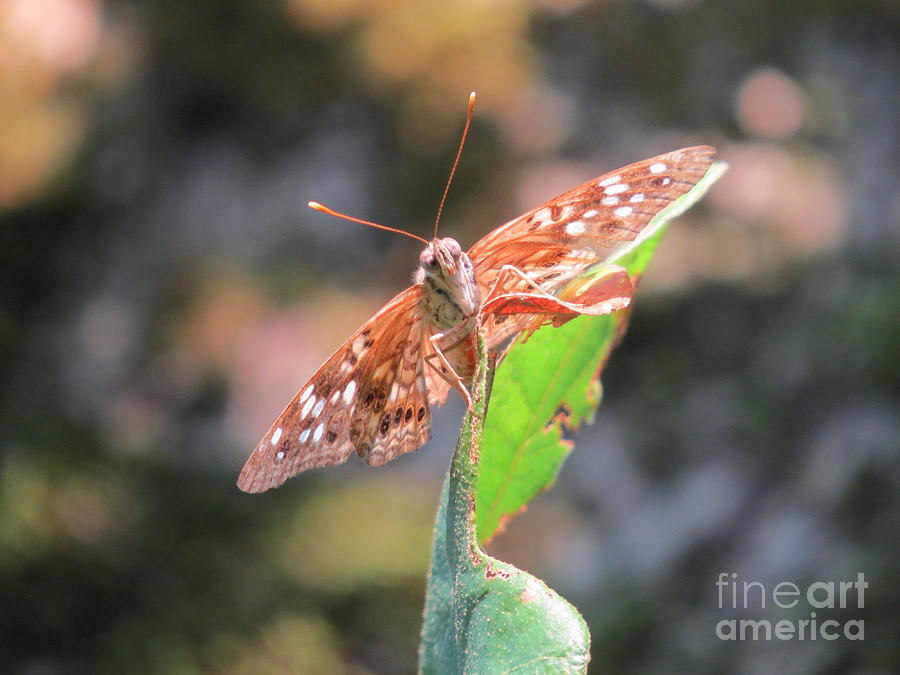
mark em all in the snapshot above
pixel 469 111
pixel 331 212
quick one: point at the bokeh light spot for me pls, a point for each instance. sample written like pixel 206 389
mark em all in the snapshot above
pixel 770 104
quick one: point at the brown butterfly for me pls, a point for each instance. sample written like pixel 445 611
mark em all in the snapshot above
pixel 372 396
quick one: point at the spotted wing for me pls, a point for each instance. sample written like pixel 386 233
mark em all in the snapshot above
pixel 438 387
pixel 558 240
pixel 369 397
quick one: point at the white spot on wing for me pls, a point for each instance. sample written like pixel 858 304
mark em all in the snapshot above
pixel 304 435
pixel 639 197
pixel 310 402
pixel 318 408
pixel 666 181
pixel 394 389
pixel 335 396
pixel 349 391
pixel 276 435
pixel 542 216
pixel 609 201
pixel 658 167
pixel 306 393
pixel 623 211
pixel 610 181
pixel 616 189
pixel 317 434
pixel 279 455
pixel 575 228
pixel 591 213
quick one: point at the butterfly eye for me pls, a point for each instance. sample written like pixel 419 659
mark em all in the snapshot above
pixel 453 247
pixel 427 259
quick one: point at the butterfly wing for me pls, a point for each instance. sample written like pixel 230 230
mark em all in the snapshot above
pixel 438 387
pixel 369 397
pixel 558 240
pixel 391 416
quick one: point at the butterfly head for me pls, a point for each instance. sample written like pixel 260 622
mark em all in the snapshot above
pixel 441 257
pixel 449 277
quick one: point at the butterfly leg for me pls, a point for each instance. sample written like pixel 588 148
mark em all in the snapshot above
pixel 445 370
pixel 610 293
pixel 506 272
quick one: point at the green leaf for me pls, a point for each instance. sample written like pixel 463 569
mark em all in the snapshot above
pixel 551 381
pixel 483 615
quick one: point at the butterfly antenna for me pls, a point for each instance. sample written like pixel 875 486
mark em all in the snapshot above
pixel 331 212
pixel 469 111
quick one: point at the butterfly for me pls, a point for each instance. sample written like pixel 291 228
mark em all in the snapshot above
pixel 372 397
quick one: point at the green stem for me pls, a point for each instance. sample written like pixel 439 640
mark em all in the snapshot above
pixel 462 540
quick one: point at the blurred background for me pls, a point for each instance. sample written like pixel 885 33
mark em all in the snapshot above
pixel 164 291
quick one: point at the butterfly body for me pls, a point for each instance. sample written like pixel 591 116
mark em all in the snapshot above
pixel 450 302
pixel 372 396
